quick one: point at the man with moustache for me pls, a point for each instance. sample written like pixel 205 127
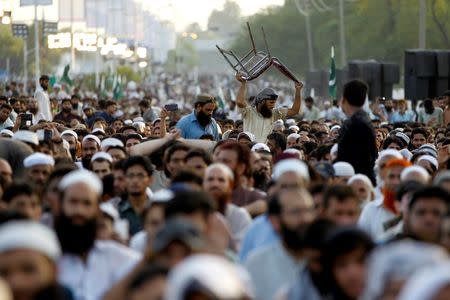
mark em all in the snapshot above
pixel 259 117
pixel 88 267
pixel 200 121
pixel 218 182
pixel 66 115
pixel 89 146
pixel 33 109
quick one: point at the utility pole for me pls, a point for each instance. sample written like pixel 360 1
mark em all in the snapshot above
pixel 422 24
pixel 25 61
pixel 342 33
pixel 309 40
pixel 72 50
pixel 304 9
pixel 37 68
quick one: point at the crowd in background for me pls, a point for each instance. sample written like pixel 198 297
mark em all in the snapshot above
pixel 218 188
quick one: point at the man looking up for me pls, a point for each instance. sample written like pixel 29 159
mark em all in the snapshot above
pixel 363 153
pixel 260 115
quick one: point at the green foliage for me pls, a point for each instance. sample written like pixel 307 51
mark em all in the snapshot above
pixel 128 73
pixel 12 48
pixel 375 29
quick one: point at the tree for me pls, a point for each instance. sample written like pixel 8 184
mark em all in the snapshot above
pixel 374 29
pixel 225 22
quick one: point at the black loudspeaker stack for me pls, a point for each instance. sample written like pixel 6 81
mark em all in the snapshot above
pixel 379 76
pixel 427 73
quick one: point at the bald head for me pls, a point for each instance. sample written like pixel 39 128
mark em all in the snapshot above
pixel 224 169
pixel 6 171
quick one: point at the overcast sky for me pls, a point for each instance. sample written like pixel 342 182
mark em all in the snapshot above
pixel 180 12
pixel 184 12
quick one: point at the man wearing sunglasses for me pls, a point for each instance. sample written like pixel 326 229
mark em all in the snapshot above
pixel 259 117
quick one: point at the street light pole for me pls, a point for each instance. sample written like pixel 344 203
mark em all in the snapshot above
pixel 342 33
pixel 422 24
pixel 37 68
pixel 25 61
pixel 309 40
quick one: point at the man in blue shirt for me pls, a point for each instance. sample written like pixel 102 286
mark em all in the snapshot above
pixel 108 113
pixel 200 121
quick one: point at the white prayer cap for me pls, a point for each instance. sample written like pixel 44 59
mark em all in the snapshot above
pixel 343 169
pixel 290 165
pixel 399 261
pixel 70 132
pixel 293 136
pixel 334 149
pixel 260 147
pixel 102 155
pixel 430 159
pixel 428 149
pixel 195 273
pixel 92 137
pixel 388 152
pixel 406 154
pixel 361 177
pixel 139 125
pixel 27 137
pixel 38 159
pixel 98 130
pixel 7 132
pixel 426 283
pixel 403 137
pixel 127 122
pixel 56 86
pixel 110 210
pixel 335 127
pixel 138 119
pixel 290 122
pixel 294 127
pixel 247 134
pixel 111 142
pixel 29 235
pixel 81 176
pixel 409 171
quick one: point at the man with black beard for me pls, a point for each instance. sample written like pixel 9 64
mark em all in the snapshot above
pixel 218 182
pixel 33 109
pixel 66 115
pixel 89 146
pixel 200 121
pixel 41 96
pixel 271 267
pixel 259 117
pixel 88 267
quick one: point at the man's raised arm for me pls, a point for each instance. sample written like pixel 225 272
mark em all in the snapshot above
pixel 296 106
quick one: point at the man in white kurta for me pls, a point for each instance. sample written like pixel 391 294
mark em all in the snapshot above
pixel 89 268
pixel 41 95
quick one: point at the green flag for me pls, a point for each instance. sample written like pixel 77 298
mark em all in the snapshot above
pixel 332 81
pixel 65 77
pixel 220 98
pixel 52 80
pixel 118 91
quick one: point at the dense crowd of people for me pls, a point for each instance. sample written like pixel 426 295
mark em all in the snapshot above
pixel 218 188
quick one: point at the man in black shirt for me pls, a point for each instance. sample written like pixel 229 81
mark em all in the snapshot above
pixel 356 143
